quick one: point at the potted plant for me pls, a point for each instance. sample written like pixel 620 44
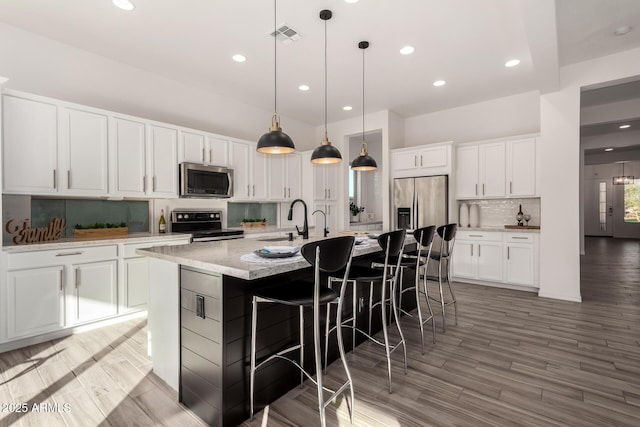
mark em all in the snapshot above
pixel 254 222
pixel 100 229
pixel 355 210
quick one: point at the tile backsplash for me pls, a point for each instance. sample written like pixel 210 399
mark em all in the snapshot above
pixel 501 212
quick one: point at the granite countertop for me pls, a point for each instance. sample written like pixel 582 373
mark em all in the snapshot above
pixel 70 242
pixel 224 256
pixel 268 229
pixel 364 222
pixel 497 228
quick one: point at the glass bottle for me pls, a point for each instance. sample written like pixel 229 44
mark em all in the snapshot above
pixel 520 215
pixel 162 224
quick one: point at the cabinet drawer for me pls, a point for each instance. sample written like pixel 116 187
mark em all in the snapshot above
pixel 520 237
pixel 201 283
pixel 488 236
pixel 210 350
pixel 212 306
pixel 129 249
pixel 207 327
pixel 61 256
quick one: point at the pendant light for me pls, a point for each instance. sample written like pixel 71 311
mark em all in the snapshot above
pixel 325 153
pixel 623 179
pixel 364 162
pixel 275 141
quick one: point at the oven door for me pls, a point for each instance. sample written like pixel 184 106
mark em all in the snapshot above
pixel 205 181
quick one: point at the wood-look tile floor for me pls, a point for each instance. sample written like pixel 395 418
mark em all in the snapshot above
pixel 513 359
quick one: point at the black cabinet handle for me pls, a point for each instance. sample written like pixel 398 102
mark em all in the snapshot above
pixel 200 306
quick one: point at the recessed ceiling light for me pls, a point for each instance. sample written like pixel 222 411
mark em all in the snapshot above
pixel 239 58
pixel 124 4
pixel 512 63
pixel 608 149
pixel 407 50
pixel 438 83
pixel 625 126
pixel 303 88
pixel 347 108
pixel 351 1
pixel 622 30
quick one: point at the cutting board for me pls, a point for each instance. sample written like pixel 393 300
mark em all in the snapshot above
pixel 522 227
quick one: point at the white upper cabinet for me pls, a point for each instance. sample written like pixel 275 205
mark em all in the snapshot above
pixel 83 163
pixel 129 176
pixel 284 177
pixel 249 171
pixel 521 170
pixel 325 180
pixel 497 169
pixel 30 146
pixel 432 159
pixel 163 173
pixel 200 147
pixel 467 172
pixel 491 170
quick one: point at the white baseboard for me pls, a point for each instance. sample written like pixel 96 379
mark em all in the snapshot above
pixel 496 285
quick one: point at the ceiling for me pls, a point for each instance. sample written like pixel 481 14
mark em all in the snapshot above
pixel 464 42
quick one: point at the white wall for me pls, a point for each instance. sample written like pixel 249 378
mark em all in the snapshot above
pixel 502 117
pixel 611 112
pixel 45 67
pixel 561 156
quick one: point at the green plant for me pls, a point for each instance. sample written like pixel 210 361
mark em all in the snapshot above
pixel 100 225
pixel 254 220
pixel 355 209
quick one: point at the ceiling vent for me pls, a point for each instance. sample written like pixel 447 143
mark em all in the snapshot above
pixel 285 34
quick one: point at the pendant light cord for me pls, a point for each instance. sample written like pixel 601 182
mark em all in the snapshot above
pixel 275 58
pixel 325 79
pixel 363 95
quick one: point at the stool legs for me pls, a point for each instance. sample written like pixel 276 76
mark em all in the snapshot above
pixel 254 321
pixel 301 308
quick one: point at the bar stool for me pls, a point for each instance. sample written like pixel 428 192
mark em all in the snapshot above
pixel 326 256
pixel 393 245
pixel 416 259
pixel 447 235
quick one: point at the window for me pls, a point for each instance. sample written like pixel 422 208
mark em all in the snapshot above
pixel 632 203
pixel 602 199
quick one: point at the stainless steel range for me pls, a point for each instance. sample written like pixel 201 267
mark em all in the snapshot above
pixel 204 226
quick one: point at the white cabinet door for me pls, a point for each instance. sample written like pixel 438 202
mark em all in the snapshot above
pixel 192 148
pixel 163 171
pixel 331 211
pixel 130 169
pixel 240 162
pixel 434 157
pixel 492 170
pixel 325 181
pixel 95 291
pixel 331 178
pixel 277 189
pixel 521 170
pixel 520 264
pixel 259 168
pixel 217 151
pixel 30 146
pixel 464 260
pixel 489 261
pixel 467 173
pixel 404 160
pixel 35 301
pixel 294 176
pixel 85 141
pixel 136 283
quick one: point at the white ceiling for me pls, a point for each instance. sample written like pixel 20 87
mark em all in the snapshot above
pixel 465 42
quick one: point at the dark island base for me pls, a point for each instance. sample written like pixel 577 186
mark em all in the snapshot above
pixel 215 351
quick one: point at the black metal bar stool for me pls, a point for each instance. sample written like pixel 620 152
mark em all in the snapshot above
pixel 447 235
pixel 326 256
pixel 393 245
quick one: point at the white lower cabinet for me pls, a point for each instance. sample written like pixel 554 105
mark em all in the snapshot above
pixel 35 301
pixel 497 257
pixel 478 256
pixel 136 283
pixel 95 291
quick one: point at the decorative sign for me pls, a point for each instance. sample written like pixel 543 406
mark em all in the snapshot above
pixel 23 234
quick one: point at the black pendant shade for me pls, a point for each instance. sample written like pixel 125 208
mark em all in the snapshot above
pixel 364 162
pixel 325 153
pixel 275 141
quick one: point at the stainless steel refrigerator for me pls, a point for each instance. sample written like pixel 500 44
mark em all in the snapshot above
pixel 420 202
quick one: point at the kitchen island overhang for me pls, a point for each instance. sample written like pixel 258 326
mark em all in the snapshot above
pixel 183 352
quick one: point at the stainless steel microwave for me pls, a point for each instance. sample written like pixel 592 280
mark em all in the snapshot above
pixel 205 181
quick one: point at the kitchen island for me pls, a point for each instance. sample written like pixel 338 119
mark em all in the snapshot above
pixel 199 323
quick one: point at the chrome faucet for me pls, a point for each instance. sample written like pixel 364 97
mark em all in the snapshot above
pixel 305 228
pixel 325 230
